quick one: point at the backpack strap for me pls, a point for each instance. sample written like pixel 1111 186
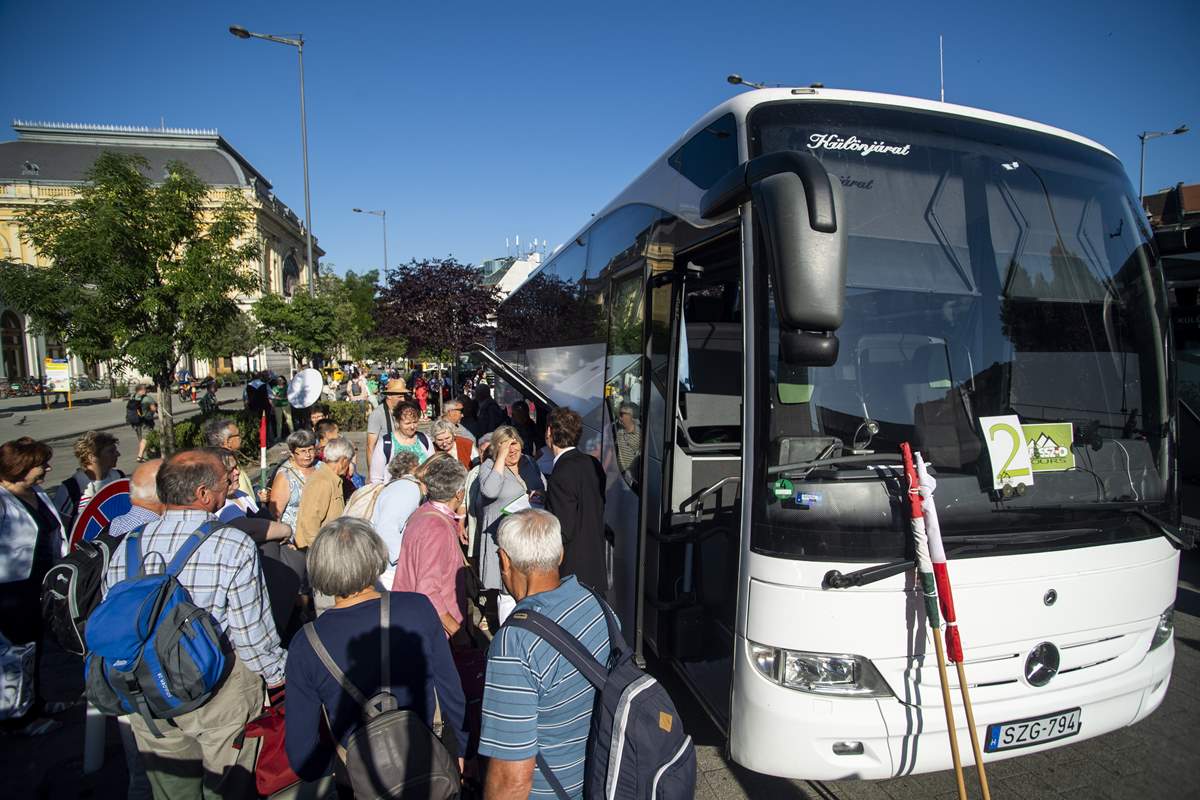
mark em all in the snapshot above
pixel 189 546
pixel 567 645
pixel 133 551
pixel 550 777
pixel 387 436
pixel 314 641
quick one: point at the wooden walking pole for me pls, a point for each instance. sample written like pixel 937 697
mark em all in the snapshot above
pixel 933 619
pixel 966 696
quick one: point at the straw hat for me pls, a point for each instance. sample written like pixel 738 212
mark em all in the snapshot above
pixel 395 386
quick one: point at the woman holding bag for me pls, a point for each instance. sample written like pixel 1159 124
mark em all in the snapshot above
pixel 31 539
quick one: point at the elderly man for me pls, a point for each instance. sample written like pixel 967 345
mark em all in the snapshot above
pixel 224 432
pixel 379 423
pixel 535 701
pixel 195 755
pixel 452 412
pixel 143 495
pixel 323 497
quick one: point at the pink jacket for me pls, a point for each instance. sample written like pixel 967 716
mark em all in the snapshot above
pixel 430 560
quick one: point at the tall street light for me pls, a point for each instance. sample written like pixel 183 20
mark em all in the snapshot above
pixel 298 43
pixel 382 214
pixel 1146 136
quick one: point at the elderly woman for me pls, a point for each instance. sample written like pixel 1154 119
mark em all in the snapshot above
pixel 97 454
pixel 396 502
pixel 292 475
pixel 446 440
pixel 430 558
pixel 345 561
pixel 405 436
pixel 31 539
pixel 509 481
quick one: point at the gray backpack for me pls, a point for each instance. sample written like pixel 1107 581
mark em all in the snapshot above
pixel 393 753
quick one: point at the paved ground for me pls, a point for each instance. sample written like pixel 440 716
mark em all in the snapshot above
pixel 1158 758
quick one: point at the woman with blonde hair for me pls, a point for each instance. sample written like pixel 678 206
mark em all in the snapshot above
pixel 97 454
pixel 509 481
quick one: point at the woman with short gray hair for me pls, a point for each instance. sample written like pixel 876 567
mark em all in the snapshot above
pixel 430 559
pixel 446 440
pixel 345 561
pixel 292 474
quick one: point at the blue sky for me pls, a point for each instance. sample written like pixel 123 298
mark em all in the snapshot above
pixel 472 121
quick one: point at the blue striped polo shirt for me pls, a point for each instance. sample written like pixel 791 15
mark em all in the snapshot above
pixel 534 699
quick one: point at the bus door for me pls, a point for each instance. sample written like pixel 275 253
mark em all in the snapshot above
pixel 692 502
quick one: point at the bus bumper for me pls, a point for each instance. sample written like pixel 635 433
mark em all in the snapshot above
pixel 778 731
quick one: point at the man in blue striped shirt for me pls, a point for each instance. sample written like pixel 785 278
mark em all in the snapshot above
pixel 534 700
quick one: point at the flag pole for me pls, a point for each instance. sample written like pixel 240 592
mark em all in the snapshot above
pixel 926 576
pixel 262 453
pixel 946 601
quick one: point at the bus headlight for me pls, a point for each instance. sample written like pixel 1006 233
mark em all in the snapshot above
pixel 819 673
pixel 1166 626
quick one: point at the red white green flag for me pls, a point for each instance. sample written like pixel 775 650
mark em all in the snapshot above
pixel 941 574
pixel 925 571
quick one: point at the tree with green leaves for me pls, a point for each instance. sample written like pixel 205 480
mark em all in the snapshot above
pixel 305 326
pixel 142 272
pixel 353 296
pixel 238 337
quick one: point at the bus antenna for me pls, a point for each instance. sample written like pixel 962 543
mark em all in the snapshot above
pixel 941 69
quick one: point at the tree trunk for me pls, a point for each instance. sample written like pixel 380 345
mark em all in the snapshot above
pixel 166 422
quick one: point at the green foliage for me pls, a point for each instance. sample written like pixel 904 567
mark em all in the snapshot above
pixel 349 416
pixel 353 298
pixel 238 336
pixel 305 326
pixel 143 273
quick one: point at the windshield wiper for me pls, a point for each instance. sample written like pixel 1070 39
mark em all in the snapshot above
pixel 809 466
pixel 1183 540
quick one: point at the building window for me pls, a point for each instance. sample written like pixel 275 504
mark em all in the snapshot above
pixel 12 343
pixel 291 275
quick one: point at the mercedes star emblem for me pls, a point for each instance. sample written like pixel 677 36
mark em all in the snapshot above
pixel 1050 597
pixel 1042 664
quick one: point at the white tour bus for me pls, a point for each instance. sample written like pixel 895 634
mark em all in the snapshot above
pixel 806 279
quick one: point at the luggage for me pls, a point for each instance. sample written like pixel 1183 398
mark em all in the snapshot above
pixel 150 649
pixel 637 749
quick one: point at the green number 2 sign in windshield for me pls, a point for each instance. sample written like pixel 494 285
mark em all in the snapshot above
pixel 1007 450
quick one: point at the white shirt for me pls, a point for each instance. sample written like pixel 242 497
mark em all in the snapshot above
pixel 559 455
pixel 395 504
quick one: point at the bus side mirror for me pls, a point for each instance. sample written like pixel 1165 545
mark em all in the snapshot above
pixel 796 209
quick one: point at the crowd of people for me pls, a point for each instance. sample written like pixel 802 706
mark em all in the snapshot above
pixel 458 522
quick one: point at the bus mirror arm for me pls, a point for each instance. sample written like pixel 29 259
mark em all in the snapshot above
pixel 836 579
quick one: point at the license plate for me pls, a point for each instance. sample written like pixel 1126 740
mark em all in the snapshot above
pixel 1035 730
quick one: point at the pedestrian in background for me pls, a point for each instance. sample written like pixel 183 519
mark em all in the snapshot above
pixel 32 538
pixel 576 496
pixel 279 406
pixel 134 411
pixel 97 454
pixel 488 411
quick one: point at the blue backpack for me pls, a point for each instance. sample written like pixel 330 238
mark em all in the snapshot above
pixel 150 649
pixel 637 749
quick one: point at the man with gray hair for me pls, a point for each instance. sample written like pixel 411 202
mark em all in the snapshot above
pixel 324 497
pixel 224 432
pixel 195 755
pixel 452 412
pixel 535 702
pixel 430 558
pixel 143 497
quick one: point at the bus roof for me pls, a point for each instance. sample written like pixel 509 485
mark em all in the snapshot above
pixel 661 186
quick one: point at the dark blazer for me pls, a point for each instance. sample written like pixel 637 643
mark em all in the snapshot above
pixel 576 496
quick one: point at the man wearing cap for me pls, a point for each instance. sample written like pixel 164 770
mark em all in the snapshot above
pixel 379 423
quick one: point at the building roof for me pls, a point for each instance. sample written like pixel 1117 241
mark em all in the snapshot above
pixel 58 152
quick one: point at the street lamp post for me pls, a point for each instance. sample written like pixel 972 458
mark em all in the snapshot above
pixel 298 43
pixel 1146 136
pixel 382 214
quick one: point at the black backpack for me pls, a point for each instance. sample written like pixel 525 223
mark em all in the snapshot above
pixel 393 753
pixel 133 411
pixel 71 589
pixel 636 749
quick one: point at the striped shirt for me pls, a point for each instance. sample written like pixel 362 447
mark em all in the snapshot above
pixel 534 699
pixel 224 576
pixel 131 519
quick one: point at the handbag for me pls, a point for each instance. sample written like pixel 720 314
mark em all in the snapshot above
pixel 16 678
pixel 272 771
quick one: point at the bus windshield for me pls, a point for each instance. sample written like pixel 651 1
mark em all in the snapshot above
pixel 992 271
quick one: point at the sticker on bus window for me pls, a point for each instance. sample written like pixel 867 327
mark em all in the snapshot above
pixel 1049 446
pixel 1008 451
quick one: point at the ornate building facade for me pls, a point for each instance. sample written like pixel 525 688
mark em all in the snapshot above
pixel 47 162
